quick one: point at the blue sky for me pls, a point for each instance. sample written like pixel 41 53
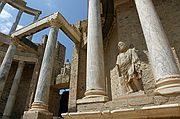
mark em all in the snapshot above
pixel 72 10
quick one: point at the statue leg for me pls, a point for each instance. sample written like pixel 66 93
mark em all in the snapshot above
pixel 137 84
pixel 129 88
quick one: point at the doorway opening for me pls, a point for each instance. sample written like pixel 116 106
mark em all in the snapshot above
pixel 63 108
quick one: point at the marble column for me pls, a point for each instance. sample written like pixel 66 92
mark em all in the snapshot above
pixel 95 79
pixel 12 95
pixel 40 103
pixel 15 24
pixel 2 4
pixel 163 64
pixel 35 19
pixel 7 61
pixel 5 66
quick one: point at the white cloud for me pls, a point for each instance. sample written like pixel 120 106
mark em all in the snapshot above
pixel 19 27
pixel 6 22
pixel 5 15
pixel 49 3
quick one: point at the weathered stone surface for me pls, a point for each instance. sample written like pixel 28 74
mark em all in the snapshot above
pixel 74 79
pixel 140 101
pixel 60 51
pixel 116 104
pixel 158 100
pixel 90 107
pixel 126 28
pixel 37 115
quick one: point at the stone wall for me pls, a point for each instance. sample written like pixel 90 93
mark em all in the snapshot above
pixel 54 101
pixel 82 74
pixel 59 60
pixel 74 79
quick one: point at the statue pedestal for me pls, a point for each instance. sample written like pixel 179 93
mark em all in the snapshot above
pixel 37 115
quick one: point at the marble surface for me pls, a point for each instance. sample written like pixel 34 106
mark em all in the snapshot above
pixel 44 81
pixel 95 79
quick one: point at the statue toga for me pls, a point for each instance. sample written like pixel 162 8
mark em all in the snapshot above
pixel 128 65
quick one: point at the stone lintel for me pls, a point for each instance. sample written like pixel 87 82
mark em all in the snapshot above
pixel 41 24
pixel 28 57
pixel 21 5
pixel 160 111
pixel 61 85
pixel 119 2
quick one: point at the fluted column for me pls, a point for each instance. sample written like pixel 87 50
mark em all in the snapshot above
pixel 7 61
pixel 2 4
pixel 163 64
pixel 12 95
pixel 44 81
pixel 95 80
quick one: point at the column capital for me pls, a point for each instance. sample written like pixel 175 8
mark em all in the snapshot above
pixel 15 41
pixel 55 23
pixel 21 64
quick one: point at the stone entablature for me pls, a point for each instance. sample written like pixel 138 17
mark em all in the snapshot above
pixel 21 5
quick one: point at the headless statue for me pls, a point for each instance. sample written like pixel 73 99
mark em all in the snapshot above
pixel 128 65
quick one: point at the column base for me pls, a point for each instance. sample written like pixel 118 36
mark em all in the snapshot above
pixel 38 111
pixel 99 99
pixel 37 115
pixel 168 86
pixel 94 93
pixel 93 96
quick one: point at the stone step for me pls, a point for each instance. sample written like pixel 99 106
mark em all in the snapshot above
pixel 57 118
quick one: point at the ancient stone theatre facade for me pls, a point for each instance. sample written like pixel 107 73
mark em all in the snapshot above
pixel 125 63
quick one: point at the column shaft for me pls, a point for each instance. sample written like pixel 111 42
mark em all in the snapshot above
pixel 15 24
pixel 44 81
pixel 161 57
pixel 2 4
pixel 95 80
pixel 5 66
pixel 35 19
pixel 7 61
pixel 12 96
